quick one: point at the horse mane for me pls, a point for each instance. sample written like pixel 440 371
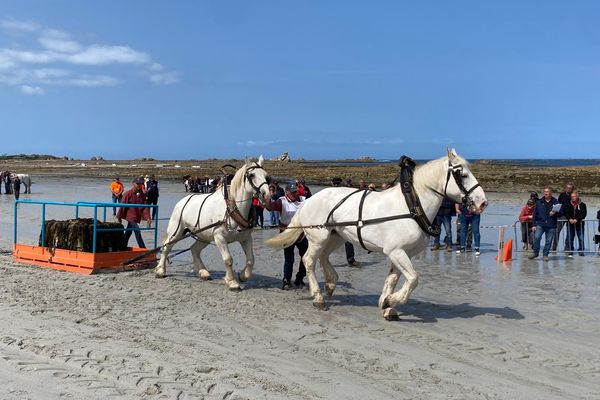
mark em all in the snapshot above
pixel 429 174
pixel 238 180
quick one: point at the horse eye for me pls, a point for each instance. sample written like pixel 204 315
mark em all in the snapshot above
pixel 251 176
pixel 464 174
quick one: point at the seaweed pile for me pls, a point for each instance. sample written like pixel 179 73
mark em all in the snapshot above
pixel 78 234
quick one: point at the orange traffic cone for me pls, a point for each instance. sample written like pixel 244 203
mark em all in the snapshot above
pixel 508 250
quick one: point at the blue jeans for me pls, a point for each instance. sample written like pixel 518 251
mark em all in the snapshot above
pixel 474 221
pixel 575 229
pixel 116 199
pixel 274 218
pixel 446 221
pixel 539 231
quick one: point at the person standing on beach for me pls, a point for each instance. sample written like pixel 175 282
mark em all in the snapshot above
pixel 17 186
pixel 564 198
pixel 134 215
pixel 288 205
pixel 349 247
pixel 575 214
pixel 274 214
pixel 525 218
pixel 444 218
pixel 544 223
pixel 468 219
pixel 116 188
pixel 7 183
pixel 152 193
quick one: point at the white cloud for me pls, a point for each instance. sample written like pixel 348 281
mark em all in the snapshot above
pixel 13 25
pixel 166 78
pixel 103 55
pixel 55 40
pixel 63 60
pixel 93 81
pixel 32 90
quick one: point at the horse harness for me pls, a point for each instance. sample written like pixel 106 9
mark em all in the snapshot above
pixel 416 212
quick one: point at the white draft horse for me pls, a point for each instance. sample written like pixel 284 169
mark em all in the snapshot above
pixel 227 210
pixel 399 239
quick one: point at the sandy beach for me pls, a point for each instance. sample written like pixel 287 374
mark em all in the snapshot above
pixel 473 329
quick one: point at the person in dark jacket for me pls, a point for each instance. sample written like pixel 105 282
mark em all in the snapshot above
pixel 152 193
pixel 564 198
pixel 575 213
pixel 17 186
pixel 544 223
pixel 444 218
pixel 134 215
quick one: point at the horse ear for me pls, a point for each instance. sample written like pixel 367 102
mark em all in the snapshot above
pixel 451 154
pixel 261 160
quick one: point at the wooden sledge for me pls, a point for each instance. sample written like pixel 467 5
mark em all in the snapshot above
pixel 82 262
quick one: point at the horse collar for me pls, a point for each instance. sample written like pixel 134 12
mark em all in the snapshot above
pixel 407 169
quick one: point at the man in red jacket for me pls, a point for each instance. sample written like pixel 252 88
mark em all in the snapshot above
pixel 134 215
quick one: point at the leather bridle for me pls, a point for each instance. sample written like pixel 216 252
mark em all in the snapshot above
pixel 456 171
pixel 248 177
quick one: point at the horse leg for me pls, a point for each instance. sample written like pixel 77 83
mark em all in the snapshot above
pixel 388 288
pixel 402 263
pixel 246 274
pixel 309 259
pixel 230 281
pixel 331 276
pixel 160 271
pixel 199 268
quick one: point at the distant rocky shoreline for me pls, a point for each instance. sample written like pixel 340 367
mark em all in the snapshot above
pixel 503 177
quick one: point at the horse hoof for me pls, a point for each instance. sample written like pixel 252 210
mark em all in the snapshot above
pixel 386 303
pixel 320 306
pixel 235 288
pixel 329 289
pixel 241 277
pixel 204 276
pixel 160 274
pixel 390 314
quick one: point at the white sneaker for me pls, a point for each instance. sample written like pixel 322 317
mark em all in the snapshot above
pixel 477 252
pixel 458 251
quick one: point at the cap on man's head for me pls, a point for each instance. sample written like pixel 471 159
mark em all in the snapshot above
pixel 291 187
pixel 117 178
pixel 139 180
pixel 530 202
pixel 336 181
pixel 534 195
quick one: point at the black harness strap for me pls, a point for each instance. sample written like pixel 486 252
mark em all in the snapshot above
pixel 338 206
pixel 360 223
pixel 200 210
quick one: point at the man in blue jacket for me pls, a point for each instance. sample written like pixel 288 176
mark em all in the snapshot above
pixel 544 223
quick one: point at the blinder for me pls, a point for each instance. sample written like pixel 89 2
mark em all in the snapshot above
pixel 458 174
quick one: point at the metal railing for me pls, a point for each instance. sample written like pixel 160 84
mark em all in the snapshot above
pixel 562 237
pixel 88 205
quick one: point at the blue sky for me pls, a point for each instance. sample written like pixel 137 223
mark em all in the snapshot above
pixel 334 79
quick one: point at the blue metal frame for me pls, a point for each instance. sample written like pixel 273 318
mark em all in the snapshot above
pixel 87 204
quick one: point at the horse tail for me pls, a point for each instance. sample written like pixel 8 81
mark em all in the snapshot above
pixel 287 237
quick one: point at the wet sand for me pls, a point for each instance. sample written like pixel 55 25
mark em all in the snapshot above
pixel 473 328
